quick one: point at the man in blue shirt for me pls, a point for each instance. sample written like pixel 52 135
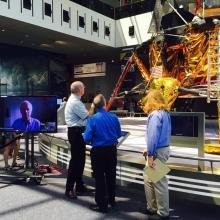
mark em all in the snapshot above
pixel 76 116
pixel 102 132
pixel 26 122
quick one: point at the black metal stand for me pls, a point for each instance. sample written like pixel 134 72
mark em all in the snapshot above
pixel 28 173
pixel 28 137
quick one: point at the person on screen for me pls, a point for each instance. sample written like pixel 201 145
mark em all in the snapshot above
pixel 103 131
pixel 26 122
pixel 157 135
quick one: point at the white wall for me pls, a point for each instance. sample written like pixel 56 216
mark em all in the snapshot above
pixel 118 37
pixel 141 25
pixel 14 9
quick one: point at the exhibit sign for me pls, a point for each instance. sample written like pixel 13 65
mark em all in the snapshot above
pixel 90 70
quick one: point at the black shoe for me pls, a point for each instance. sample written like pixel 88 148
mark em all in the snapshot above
pixel 149 212
pixel 158 217
pixel 98 209
pixel 112 204
pixel 81 189
pixel 70 195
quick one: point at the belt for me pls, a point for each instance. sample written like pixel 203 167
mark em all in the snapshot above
pixel 77 128
pixel 108 146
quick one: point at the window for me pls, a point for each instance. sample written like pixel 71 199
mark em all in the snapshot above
pixel 81 22
pixel 66 16
pixel 107 31
pixel 27 4
pixel 48 10
pixel 95 26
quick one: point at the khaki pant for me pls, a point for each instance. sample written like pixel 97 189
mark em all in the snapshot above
pixel 157 194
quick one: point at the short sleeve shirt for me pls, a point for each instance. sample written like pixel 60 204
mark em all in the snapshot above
pixel 75 112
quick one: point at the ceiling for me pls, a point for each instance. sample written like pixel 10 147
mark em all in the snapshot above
pixel 77 50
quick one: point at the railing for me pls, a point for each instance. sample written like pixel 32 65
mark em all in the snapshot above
pixel 196 185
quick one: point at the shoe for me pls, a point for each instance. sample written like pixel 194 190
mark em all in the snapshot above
pixel 112 204
pixel 7 167
pixel 149 212
pixel 96 208
pixel 70 195
pixel 81 189
pixel 158 217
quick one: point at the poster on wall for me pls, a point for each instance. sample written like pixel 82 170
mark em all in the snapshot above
pixel 90 70
pixel 24 75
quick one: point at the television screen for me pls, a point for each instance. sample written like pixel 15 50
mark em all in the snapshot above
pixel 28 114
pixel 184 125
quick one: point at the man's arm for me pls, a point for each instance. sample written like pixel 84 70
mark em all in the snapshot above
pixel 88 134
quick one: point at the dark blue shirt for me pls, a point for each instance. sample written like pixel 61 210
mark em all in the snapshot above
pixel 102 129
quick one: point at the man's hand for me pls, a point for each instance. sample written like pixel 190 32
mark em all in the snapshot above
pixel 150 161
pixel 92 109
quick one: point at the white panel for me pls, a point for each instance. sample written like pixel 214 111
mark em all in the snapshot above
pixel 37 19
pixel 3 6
pixel 141 25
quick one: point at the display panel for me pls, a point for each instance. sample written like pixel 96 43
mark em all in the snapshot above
pixel 28 114
pixel 186 125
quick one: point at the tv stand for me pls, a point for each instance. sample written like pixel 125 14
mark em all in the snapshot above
pixel 27 173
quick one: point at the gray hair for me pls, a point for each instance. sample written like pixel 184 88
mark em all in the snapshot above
pixel 76 86
pixel 99 101
pixel 26 102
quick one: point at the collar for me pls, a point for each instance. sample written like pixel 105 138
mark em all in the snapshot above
pixel 101 110
pixel 76 96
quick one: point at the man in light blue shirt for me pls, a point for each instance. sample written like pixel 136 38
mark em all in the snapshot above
pixel 76 116
pixel 102 132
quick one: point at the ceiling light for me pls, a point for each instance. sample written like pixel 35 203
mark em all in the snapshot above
pixel 61 42
pixel 3 30
pixel 46 45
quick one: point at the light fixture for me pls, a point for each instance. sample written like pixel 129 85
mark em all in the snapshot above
pixel 46 45
pixel 61 42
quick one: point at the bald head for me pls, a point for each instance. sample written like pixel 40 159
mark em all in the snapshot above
pixel 77 88
pixel 99 101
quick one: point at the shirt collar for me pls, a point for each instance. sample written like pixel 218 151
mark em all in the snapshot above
pixel 101 110
pixel 76 96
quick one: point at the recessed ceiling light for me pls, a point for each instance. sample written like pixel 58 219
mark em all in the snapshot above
pixel 3 30
pixel 61 42
pixel 46 45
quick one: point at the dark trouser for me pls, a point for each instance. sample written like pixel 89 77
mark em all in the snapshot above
pixel 77 161
pixel 104 161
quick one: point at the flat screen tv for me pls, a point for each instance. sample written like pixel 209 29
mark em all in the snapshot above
pixel 33 114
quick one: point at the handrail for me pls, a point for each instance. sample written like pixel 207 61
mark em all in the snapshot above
pixel 183 157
